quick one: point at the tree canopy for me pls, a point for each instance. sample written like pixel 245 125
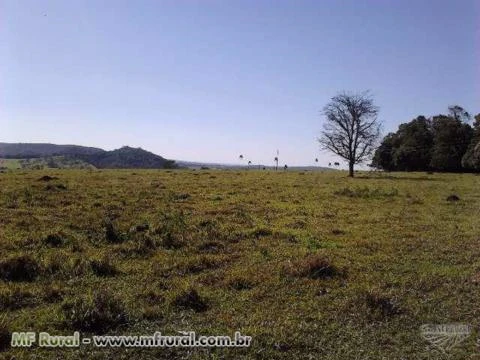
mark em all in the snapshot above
pixel 440 143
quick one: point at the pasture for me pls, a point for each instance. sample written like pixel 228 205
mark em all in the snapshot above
pixel 311 265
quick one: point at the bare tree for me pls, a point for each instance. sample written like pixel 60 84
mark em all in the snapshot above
pixel 351 130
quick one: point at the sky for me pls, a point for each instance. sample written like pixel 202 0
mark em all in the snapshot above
pixel 208 80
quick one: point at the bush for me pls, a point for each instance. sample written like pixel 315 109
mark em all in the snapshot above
pixel 20 268
pixel 96 313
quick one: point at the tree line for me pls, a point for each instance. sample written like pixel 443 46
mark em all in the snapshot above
pixel 445 142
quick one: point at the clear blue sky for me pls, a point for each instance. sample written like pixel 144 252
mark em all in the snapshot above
pixel 208 80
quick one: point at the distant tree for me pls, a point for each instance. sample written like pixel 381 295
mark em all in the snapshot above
pixel 413 145
pixel 442 143
pixel 383 158
pixel 276 162
pixel 459 113
pixel 471 159
pixel 351 129
pixel 451 138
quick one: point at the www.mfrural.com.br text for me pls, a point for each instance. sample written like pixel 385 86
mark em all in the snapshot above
pixel 157 339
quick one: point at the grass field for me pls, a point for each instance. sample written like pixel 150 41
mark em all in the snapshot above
pixel 10 164
pixel 311 265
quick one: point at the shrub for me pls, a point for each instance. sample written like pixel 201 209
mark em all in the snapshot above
pixel 19 268
pixel 190 300
pixel 97 312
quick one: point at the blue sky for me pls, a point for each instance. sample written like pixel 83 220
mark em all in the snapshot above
pixel 209 80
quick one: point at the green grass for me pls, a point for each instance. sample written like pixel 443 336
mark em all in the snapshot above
pixel 310 264
pixel 10 164
pixel 52 162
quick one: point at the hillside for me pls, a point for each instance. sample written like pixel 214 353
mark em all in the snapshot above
pixel 127 158
pixel 67 156
pixel 37 150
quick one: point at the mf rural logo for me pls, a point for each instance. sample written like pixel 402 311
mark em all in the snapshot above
pixel 444 337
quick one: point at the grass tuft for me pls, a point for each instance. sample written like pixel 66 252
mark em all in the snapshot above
pixel 314 267
pixel 19 268
pixel 190 300
pixel 96 312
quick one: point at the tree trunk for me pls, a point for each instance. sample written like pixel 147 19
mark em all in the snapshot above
pixel 350 169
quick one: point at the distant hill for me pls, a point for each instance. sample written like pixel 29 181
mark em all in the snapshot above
pixel 32 150
pixel 127 158
pixel 60 156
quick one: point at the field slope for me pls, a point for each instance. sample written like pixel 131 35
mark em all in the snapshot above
pixel 311 265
